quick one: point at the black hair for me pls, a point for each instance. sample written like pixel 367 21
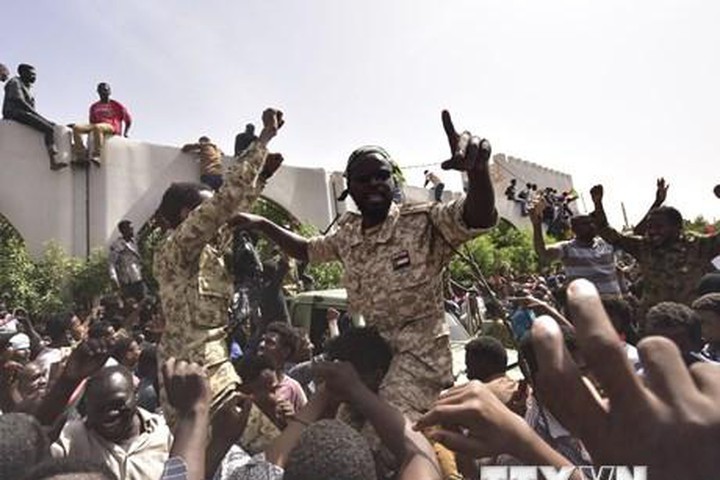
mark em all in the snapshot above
pixel 180 195
pixel 98 329
pixel 148 363
pixel 251 366
pixel 62 466
pixel 103 83
pixel 672 314
pixel 123 223
pixel 709 302
pixel 22 444
pixel 121 346
pixel 486 351
pixel 330 449
pixel 287 336
pixel 363 347
pixel 58 325
pixel 23 67
pixel 709 283
pixel 671 214
pixel 204 139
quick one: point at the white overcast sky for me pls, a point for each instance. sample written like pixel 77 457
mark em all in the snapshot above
pixel 617 92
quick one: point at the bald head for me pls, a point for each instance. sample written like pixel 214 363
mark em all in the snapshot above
pixel 111 403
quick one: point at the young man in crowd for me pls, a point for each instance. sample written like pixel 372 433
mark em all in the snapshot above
pixel 211 167
pixel 195 285
pixel 585 256
pixel 671 262
pixel 676 408
pixel 125 264
pixel 278 344
pixel 678 323
pixel 393 257
pixel 437 185
pixel 19 105
pixel 244 139
pixel 708 309
pixel 106 118
pixel 132 442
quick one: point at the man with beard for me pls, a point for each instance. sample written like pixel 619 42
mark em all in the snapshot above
pixel 394 256
pixel 671 262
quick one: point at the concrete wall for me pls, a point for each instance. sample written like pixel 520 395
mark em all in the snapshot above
pixel 505 168
pixel 39 202
pixel 46 205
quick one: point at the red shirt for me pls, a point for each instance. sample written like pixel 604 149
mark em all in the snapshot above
pixel 112 112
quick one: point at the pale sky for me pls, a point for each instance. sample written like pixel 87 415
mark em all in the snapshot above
pixel 615 92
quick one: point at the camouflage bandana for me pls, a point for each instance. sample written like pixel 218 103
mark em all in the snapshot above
pixel 356 156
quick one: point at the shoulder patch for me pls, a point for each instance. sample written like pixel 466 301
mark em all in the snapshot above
pixel 414 208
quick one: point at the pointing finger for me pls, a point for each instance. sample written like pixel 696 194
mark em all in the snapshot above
pixel 449 130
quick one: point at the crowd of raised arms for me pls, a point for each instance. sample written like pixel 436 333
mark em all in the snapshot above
pixel 609 358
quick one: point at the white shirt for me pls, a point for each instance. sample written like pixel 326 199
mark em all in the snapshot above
pixel 143 459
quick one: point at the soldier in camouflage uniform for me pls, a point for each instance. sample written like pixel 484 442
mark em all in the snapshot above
pixel 394 257
pixel 195 285
pixel 671 262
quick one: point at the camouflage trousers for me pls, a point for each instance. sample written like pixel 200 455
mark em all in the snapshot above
pixel 206 347
pixel 412 385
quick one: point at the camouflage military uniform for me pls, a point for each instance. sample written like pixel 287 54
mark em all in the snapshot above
pixel 670 272
pixel 195 285
pixel 393 277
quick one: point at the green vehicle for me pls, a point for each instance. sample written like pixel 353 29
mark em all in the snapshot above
pixel 309 311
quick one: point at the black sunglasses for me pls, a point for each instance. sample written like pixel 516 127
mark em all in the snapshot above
pixel 381 175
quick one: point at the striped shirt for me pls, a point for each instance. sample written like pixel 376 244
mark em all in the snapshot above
pixel 595 263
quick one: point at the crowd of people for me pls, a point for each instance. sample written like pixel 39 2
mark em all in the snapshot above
pixel 617 342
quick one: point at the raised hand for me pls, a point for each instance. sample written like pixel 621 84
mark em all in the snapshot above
pixel 186 385
pixel 670 422
pixel 596 194
pixel 272 122
pixel 470 419
pixel 661 192
pixel 86 359
pixel 469 153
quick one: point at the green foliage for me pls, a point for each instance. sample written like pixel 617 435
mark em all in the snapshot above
pixel 326 275
pixel 701 225
pixel 54 282
pixel 503 249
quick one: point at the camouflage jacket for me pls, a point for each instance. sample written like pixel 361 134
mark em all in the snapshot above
pixel 194 284
pixel 393 272
pixel 670 272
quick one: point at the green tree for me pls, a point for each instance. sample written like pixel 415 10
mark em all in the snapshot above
pixel 503 249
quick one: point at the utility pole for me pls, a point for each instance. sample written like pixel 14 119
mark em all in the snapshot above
pixel 627 224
